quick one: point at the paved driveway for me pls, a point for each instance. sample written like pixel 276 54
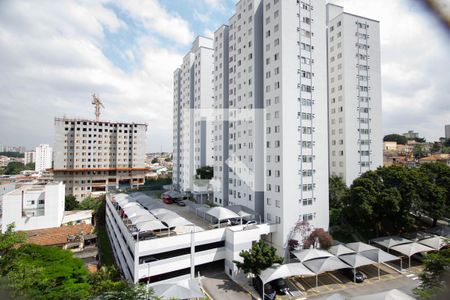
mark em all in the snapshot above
pixel 220 287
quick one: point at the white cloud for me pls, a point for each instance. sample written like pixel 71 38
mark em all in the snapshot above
pixel 52 61
pixel 155 18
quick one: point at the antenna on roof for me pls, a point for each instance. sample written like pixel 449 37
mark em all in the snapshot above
pixel 97 103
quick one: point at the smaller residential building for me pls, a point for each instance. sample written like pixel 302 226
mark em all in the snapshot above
pixel 34 207
pixel 44 157
pixel 411 135
pixel 30 157
pixel 390 146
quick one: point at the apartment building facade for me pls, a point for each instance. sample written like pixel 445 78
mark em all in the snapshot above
pixel 92 157
pixel 30 157
pixel 354 94
pixel 43 158
pixel 221 115
pixel 193 100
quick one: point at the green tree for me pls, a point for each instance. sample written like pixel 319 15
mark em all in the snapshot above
pixel 400 139
pixel 419 140
pixel 433 276
pixel 71 203
pixel 9 239
pixel 46 273
pixel 14 168
pixel 439 174
pixel 419 151
pixel 154 160
pixel 260 257
pixel 13 154
pixel 206 172
pixel 90 203
pixel 338 191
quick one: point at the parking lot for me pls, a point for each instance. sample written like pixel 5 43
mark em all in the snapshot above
pixel 333 282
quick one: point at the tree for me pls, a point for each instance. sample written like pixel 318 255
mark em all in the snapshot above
pixel 338 191
pixel 46 273
pixel 154 160
pixel 419 140
pixel 71 203
pixel 90 203
pixel 419 151
pixel 400 139
pixel 320 235
pixel 9 239
pixel 14 168
pixel 206 172
pixel 437 268
pixel 439 174
pixel 260 257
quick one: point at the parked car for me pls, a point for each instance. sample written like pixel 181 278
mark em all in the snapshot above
pixel 269 292
pixel 181 203
pixel 223 223
pixel 350 274
pixel 280 286
pixel 167 199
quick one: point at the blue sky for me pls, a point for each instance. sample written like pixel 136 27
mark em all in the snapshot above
pixel 56 54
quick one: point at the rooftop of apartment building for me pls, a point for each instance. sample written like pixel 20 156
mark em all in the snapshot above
pixel 57 236
pixel 95 122
pixel 175 219
pixel 35 187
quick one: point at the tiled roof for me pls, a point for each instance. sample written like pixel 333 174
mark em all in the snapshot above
pixel 57 235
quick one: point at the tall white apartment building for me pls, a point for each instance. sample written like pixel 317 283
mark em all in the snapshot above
pixel 246 140
pixel 93 157
pixel 30 157
pixel 44 157
pixel 295 123
pixel 221 106
pixel 278 134
pixel 354 94
pixel 193 100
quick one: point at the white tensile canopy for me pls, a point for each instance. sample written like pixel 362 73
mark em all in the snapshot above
pixel 411 249
pixel 308 254
pixel 160 211
pixel 282 271
pixel 130 204
pixel 142 218
pixel 172 220
pixel 135 213
pixel 183 289
pixel 391 241
pixel 441 230
pixel 356 260
pixel 340 250
pixel 379 256
pixel 435 242
pixel 222 213
pixel 360 246
pixel 131 209
pixel 241 210
pixel 387 295
pixel 322 265
pixel 150 226
pixel 124 201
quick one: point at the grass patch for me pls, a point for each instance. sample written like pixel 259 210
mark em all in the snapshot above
pixel 104 247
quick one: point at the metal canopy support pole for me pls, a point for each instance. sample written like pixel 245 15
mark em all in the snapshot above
pixel 379 265
pixel 409 266
pixel 354 275
pixel 192 253
pixel 317 282
pixel 401 264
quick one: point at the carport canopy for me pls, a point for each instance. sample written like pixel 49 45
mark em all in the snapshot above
pixel 242 211
pixel 283 271
pixel 142 218
pixel 340 249
pixel 391 241
pixel 435 242
pixel 387 295
pixel 150 226
pixel 309 254
pixel 356 260
pixel 360 246
pixel 379 255
pixel 222 213
pixel 412 248
pixel 322 265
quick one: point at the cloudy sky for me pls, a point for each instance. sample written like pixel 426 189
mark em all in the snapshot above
pixel 55 54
